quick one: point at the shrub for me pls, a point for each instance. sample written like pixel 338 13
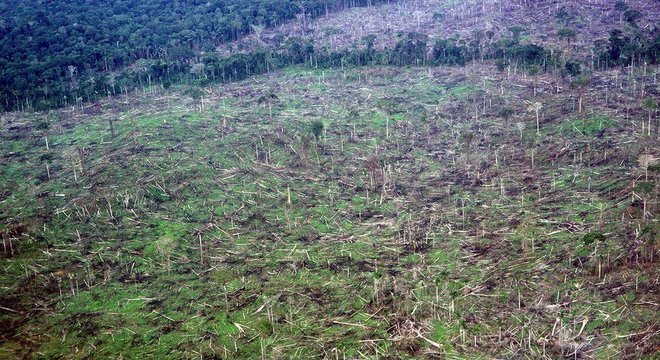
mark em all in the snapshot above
pixel 316 127
pixel 592 237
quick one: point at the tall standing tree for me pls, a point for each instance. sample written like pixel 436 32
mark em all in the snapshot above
pixel 316 127
pixel 582 85
pixel 197 96
pixel 536 108
pixel 516 30
pixel 390 108
pixel 476 43
pixel 651 106
pixel 467 137
pixel 42 126
pixel 534 71
pixel 567 34
pixel 631 16
pixel 506 113
pixel 269 99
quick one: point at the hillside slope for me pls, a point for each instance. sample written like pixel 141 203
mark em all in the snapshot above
pixel 487 210
pixel 443 19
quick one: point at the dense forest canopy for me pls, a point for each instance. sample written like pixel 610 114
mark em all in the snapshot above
pixel 51 49
pixel 56 53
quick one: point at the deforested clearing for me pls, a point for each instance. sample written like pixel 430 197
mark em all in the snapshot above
pixel 330 179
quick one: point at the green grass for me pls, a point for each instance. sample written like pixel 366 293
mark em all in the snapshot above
pixel 586 126
pixel 333 272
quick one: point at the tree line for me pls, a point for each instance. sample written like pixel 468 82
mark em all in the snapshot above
pixel 124 45
pixel 54 52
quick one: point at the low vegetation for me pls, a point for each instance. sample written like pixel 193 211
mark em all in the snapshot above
pixel 472 204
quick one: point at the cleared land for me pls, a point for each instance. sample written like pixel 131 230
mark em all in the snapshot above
pixel 372 212
pixel 232 232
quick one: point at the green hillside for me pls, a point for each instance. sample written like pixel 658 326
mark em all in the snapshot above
pixel 420 196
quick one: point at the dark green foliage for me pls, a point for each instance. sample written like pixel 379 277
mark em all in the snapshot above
pixel 467 137
pixel 533 70
pixel 650 104
pixel 449 52
pixel 194 92
pixel 269 97
pixel 581 82
pixel 57 51
pixel 587 126
pixel 567 34
pixel 562 16
pixel 616 44
pixel 43 104
pixel 157 194
pixel 651 232
pixel 48 157
pixel 516 31
pixel 644 188
pixel 622 49
pixel 490 34
pixel 506 113
pixel 571 68
pixel 531 54
pixel 126 58
pixel 475 44
pixel 410 50
pixel 316 127
pixel 454 51
pixel 389 106
pixel 631 16
pixel 42 125
pixel 592 237
pixel 439 16
pixel 202 82
pixel 620 6
pixel 501 64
